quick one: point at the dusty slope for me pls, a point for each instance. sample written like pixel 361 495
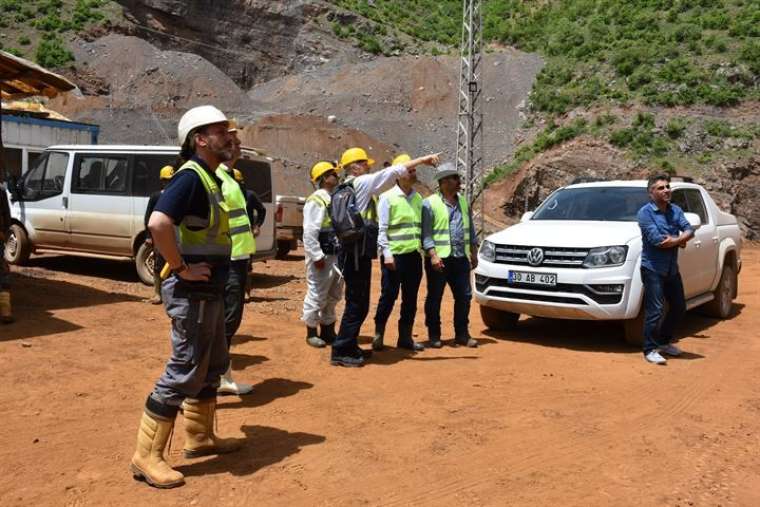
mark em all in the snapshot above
pixel 555 413
pixel 409 102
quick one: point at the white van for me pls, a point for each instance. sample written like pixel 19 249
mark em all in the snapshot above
pixel 90 201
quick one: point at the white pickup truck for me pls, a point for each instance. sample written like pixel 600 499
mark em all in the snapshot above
pixel 289 219
pixel 578 256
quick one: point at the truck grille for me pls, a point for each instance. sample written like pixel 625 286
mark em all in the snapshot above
pixel 483 283
pixel 550 256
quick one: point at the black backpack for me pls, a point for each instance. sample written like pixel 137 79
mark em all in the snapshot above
pixel 347 221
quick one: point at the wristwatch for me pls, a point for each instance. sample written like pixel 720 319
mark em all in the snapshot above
pixel 179 269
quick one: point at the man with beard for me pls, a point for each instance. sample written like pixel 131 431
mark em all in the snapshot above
pixel 198 255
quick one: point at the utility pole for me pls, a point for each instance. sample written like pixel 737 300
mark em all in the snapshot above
pixel 470 117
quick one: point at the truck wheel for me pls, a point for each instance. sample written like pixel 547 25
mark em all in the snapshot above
pixel 17 246
pixel 144 263
pixel 498 320
pixel 633 329
pixel 720 307
pixel 283 248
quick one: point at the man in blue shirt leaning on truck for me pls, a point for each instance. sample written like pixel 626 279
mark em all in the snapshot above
pixel 664 229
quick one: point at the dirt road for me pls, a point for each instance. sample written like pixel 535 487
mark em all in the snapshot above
pixel 555 413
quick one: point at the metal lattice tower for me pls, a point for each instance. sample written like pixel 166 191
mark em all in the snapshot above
pixel 470 117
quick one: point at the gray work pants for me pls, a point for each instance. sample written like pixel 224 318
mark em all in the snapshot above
pixel 324 289
pixel 199 349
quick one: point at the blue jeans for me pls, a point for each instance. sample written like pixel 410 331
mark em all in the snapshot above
pixel 456 273
pixel 234 298
pixel 406 277
pixel 658 332
pixel 358 277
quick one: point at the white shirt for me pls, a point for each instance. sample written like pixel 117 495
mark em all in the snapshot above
pixel 313 214
pixel 369 185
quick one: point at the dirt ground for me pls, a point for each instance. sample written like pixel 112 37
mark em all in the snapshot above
pixel 555 413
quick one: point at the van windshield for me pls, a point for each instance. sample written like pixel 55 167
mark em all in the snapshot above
pixel 605 204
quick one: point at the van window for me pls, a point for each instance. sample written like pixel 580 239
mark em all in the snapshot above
pixel 100 174
pixel 46 178
pixel 145 174
pixel 258 177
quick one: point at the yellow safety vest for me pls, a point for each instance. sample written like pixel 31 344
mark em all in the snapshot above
pixel 404 221
pixel 209 236
pixel 243 241
pixel 441 227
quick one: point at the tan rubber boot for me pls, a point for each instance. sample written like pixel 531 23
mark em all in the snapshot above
pixel 148 461
pixel 200 439
pixel 6 316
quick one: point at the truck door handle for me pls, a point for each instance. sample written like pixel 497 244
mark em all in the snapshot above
pixel 66 202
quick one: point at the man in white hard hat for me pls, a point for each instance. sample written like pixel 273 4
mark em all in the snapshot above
pixel 323 281
pixel 198 255
pixel 450 243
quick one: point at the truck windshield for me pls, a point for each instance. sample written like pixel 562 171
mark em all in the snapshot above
pixel 607 204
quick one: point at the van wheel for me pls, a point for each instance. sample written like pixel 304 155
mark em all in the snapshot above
pixel 634 329
pixel 498 320
pixel 283 248
pixel 17 246
pixel 144 263
pixel 720 307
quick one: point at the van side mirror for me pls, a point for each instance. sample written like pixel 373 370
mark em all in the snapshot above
pixel 693 220
pixel 526 216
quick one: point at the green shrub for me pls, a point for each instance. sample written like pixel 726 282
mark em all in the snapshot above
pixel 718 128
pixel 51 53
pixel 675 128
pixel 24 40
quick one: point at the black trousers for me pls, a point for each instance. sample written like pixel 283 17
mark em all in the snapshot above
pixel 234 298
pixel 357 274
pixel 455 274
pixel 406 278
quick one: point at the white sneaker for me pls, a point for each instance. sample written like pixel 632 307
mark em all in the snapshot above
pixel 229 386
pixel 654 357
pixel 671 350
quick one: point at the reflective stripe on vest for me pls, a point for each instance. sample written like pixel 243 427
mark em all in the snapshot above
pixel 404 221
pixel 211 235
pixel 243 242
pixel 441 227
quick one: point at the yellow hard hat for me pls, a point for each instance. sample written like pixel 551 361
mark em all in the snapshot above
pixel 166 173
pixel 237 175
pixel 400 159
pixel 232 125
pixel 320 168
pixel 352 155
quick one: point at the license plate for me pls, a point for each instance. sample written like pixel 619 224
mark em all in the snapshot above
pixel 525 277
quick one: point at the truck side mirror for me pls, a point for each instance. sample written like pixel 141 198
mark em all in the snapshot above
pixel 526 216
pixel 13 188
pixel 693 220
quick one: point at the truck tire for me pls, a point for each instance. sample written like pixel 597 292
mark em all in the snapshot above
pixel 722 304
pixel 633 329
pixel 498 320
pixel 144 263
pixel 283 248
pixel 17 246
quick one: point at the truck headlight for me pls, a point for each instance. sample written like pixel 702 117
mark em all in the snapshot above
pixel 605 256
pixel 487 251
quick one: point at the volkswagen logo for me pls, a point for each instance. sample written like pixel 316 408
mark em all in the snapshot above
pixel 535 256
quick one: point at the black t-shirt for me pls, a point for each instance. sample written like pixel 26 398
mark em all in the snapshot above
pixel 185 194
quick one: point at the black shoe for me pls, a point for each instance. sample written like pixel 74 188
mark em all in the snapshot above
pixel 466 341
pixel 363 353
pixel 416 347
pixel 436 343
pixel 327 333
pixel 377 340
pixel 347 361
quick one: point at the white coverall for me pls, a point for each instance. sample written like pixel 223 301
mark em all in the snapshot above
pixel 324 286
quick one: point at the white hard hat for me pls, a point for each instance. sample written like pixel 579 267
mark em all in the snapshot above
pixel 445 170
pixel 198 117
